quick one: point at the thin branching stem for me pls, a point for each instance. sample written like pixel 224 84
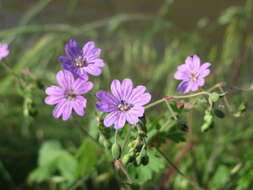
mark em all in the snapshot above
pixel 189 180
pixel 166 98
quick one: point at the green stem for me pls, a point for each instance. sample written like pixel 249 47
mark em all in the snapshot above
pixel 126 138
pixel 189 180
pixel 225 99
pixel 207 92
pixel 171 110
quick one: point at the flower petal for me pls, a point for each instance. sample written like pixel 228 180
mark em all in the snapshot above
pixel 136 92
pixel 183 87
pixel 193 62
pixel 93 69
pixel 121 120
pixel 82 87
pixel 72 49
pixel 126 88
pixel 99 63
pixel 88 47
pixel 54 90
pixel 111 118
pixel 104 106
pixel 54 99
pixel 181 75
pixel 65 79
pixel 116 89
pixel 106 97
pixel 132 118
pixel 67 110
pixel 93 54
pixel 204 73
pixel 79 104
pixel 205 66
pixel 137 110
pixel 201 82
pixel 59 108
pixel 142 99
pixel 64 59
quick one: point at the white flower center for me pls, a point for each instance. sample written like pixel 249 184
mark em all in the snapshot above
pixel 194 76
pixel 70 94
pixel 124 106
pixel 80 62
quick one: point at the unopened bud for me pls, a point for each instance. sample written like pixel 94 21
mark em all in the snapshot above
pixel 116 151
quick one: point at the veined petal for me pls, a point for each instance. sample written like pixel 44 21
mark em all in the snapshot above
pixel 201 81
pixel 136 92
pixel 137 110
pixel 88 47
pixel 126 88
pixel 93 70
pixel 67 110
pixel 132 118
pixel 104 106
pixel 181 75
pixel 120 122
pixel 54 99
pixel 82 87
pixel 93 54
pixel 193 62
pixel 183 87
pixel 111 118
pixel 54 90
pixel 65 79
pixel 72 49
pixel 79 104
pixel 142 99
pixel 116 89
pixel 106 97
pixel 204 66
pixel 204 73
pixel 59 108
pixel 99 63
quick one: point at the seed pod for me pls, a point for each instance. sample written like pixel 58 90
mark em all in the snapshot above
pixel 219 113
pixel 145 160
pixel 116 151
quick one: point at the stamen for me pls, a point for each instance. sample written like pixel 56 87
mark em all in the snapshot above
pixel 69 94
pixel 80 62
pixel 194 76
pixel 124 106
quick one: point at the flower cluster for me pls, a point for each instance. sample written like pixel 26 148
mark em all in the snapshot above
pixel 4 51
pixel 125 103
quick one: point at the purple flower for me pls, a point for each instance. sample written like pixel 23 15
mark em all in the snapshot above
pixel 68 95
pixel 4 51
pixel 124 104
pixel 192 74
pixel 82 61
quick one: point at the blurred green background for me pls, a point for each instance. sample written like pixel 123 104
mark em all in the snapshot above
pixel 144 40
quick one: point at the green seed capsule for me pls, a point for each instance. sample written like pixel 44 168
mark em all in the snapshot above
pixel 116 151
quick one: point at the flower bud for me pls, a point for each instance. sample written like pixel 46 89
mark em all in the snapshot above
pixel 116 151
pixel 214 97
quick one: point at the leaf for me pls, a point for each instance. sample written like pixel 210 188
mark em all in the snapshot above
pixel 220 177
pixel 52 158
pixel 87 158
pixel 142 174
